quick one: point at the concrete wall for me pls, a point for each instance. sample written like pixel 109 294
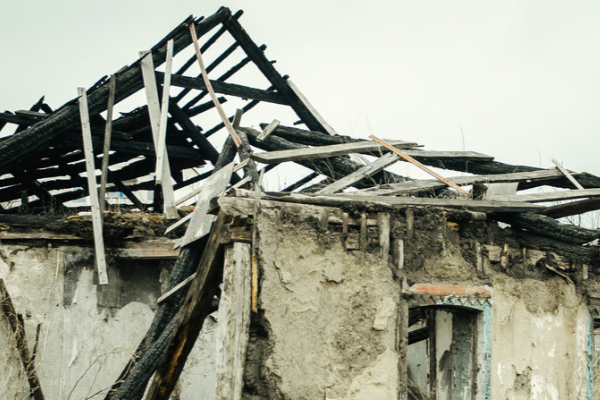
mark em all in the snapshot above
pixel 87 332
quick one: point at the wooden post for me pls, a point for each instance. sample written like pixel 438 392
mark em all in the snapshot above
pixel 410 223
pixel 234 322
pixel 164 111
pixel 92 188
pixel 363 242
pixel 154 113
pixel 383 222
pixel 18 330
pixel 107 135
pixel 402 341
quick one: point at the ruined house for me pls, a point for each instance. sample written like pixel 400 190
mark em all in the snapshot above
pixel 185 279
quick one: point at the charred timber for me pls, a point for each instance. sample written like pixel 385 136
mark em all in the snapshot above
pixel 549 227
pixel 22 146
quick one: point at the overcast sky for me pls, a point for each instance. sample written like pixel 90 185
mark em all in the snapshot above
pixel 521 78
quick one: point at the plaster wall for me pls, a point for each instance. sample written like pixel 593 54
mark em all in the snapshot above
pixel 88 332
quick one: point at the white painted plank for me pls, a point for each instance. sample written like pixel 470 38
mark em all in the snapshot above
pixel 201 221
pixel 234 322
pixel 164 112
pixel 495 190
pixel 154 111
pixel 90 168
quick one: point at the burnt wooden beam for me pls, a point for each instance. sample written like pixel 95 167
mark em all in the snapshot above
pixel 22 147
pixel 191 112
pixel 587 255
pixel 205 147
pixel 267 68
pixel 301 182
pixel 572 208
pixel 549 227
pixel 230 89
pixel 36 188
pixel 418 335
pixel 35 108
pixel 232 71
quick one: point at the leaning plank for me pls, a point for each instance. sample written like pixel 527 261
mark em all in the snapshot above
pixel 394 202
pixel 366 171
pixel 18 330
pixel 310 153
pixel 201 221
pixel 553 196
pixel 414 187
pixel 194 311
pixel 234 322
pixel 567 174
pixel 164 113
pixel 418 164
pixel 154 112
pixel 92 188
pixel 213 96
pixel 107 136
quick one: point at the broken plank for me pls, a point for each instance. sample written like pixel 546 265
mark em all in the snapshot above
pixel 567 174
pixel 268 130
pixel 310 153
pixel 360 174
pixel 92 188
pixel 201 221
pixel 495 190
pixel 179 223
pixel 234 322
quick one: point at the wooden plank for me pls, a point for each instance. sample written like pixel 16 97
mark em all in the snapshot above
pixel 46 235
pixel 410 223
pixel 236 140
pixel 378 165
pixel 164 113
pixel 402 348
pixel 313 111
pixel 567 174
pixel 268 130
pixel 147 250
pixel 421 166
pixel 495 190
pixel 92 188
pixel 18 331
pixel 414 187
pixel 310 153
pixel 553 196
pixel 364 240
pixel 176 288
pixel 179 223
pixel 394 202
pixel 234 322
pixel 201 221
pixel 154 113
pixel 107 136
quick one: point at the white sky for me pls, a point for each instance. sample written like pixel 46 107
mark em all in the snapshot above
pixel 520 77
